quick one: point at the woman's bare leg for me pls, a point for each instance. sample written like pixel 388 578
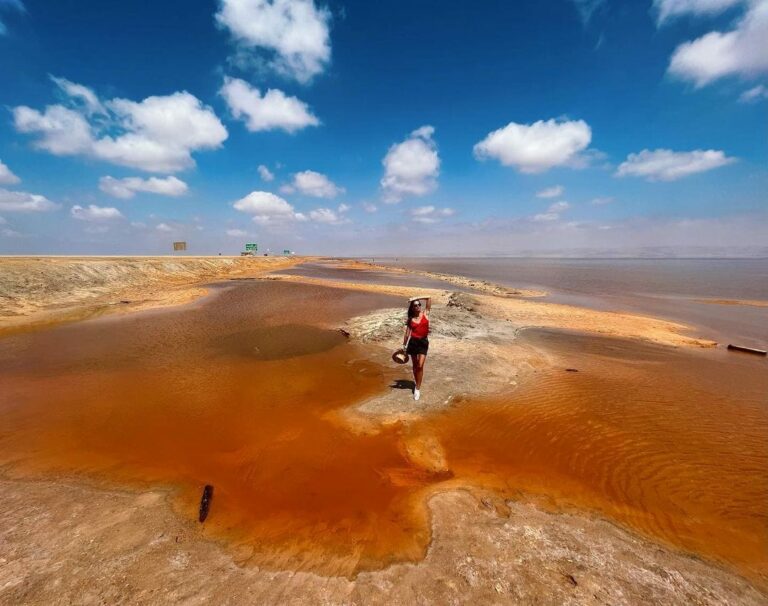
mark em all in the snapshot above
pixel 418 369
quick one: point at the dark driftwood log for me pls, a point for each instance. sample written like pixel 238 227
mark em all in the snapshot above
pixel 752 350
pixel 205 502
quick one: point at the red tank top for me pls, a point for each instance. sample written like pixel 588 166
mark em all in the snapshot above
pixel 419 330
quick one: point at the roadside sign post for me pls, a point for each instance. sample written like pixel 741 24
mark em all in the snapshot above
pixel 251 247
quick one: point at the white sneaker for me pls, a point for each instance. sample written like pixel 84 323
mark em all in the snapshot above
pixel 416 394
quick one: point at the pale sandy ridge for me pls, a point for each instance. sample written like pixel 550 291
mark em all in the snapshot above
pixel 483 286
pixel 524 313
pixel 45 290
pixel 747 302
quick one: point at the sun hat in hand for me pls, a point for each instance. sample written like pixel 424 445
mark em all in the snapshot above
pixel 400 357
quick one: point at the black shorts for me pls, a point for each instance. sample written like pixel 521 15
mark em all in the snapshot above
pixel 417 346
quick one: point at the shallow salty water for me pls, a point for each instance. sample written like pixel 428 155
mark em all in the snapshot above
pixel 233 392
pixel 669 288
pixel 241 389
pixel 672 444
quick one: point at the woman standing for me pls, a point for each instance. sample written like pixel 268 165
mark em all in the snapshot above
pixel 415 339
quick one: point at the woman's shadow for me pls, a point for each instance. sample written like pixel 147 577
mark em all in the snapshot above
pixel 403 384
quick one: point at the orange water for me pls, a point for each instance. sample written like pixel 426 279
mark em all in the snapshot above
pixel 670 444
pixel 239 390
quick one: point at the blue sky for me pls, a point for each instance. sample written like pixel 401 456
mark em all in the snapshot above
pixel 389 127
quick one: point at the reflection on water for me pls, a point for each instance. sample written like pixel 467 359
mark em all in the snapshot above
pixel 279 342
pixel 240 391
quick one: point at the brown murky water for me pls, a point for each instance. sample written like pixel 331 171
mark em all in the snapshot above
pixel 233 392
pixel 238 391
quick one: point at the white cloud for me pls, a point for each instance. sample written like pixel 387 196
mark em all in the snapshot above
pixel 420 211
pixel 430 214
pixel 670 9
pixel 411 167
pixel 343 208
pixel 157 134
pixel 424 132
pixel 81 93
pixel 272 111
pixel 21 201
pixel 754 94
pixel 537 147
pixel 558 207
pixel 369 207
pixel 127 187
pixel 328 216
pixel 237 233
pixel 3 221
pixel 265 174
pixel 668 165
pixel 553 212
pixel 63 131
pixel 551 192
pixel 6 175
pixel 95 213
pixel 267 208
pixel 311 183
pixel 739 52
pixel 601 201
pixel 163 227
pixel 161 133
pixel 16 5
pixel 293 33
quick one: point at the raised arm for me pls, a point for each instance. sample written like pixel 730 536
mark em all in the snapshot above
pixel 429 305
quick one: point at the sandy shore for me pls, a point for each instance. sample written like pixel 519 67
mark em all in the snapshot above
pixel 71 542
pixel 46 290
pixel 747 302
pixel 482 286
pixel 521 312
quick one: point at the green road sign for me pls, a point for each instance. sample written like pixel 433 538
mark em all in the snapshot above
pixel 286 252
pixel 251 246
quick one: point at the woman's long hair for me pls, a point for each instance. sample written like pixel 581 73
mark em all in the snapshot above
pixel 412 313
